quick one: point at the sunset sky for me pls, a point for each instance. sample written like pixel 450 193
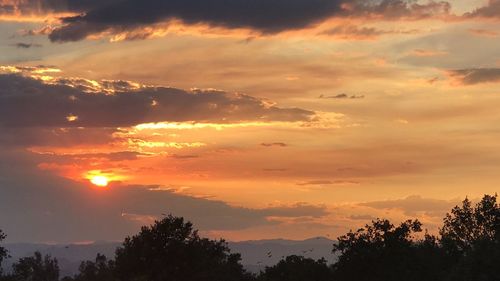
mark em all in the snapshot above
pixel 254 119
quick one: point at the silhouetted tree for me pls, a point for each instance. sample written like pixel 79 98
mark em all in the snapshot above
pixel 3 251
pixel 382 251
pixel 466 225
pixel 297 268
pixel 471 237
pixel 36 268
pixel 172 250
pixel 100 270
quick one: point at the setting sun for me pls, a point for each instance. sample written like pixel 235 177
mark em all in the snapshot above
pixel 101 181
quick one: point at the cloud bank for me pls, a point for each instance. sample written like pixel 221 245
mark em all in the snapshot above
pixel 31 102
pixel 473 76
pixel 262 16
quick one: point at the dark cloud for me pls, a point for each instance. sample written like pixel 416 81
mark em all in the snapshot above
pixel 476 75
pixel 60 137
pixel 187 156
pixel 342 96
pixel 33 7
pixel 262 16
pixel 398 9
pixel 7 8
pixel 414 205
pixel 274 144
pixel 28 102
pixel 111 156
pixel 492 10
pixel 21 45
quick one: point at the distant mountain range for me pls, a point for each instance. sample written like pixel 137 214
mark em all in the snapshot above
pixel 256 255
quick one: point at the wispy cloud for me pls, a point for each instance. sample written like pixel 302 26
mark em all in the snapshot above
pixel 414 205
pixel 342 96
pixel 21 45
pixel 475 75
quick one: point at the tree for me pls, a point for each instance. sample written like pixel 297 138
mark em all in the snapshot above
pixel 100 270
pixel 382 251
pixel 466 225
pixel 171 249
pixel 471 236
pixel 297 268
pixel 3 251
pixel 36 268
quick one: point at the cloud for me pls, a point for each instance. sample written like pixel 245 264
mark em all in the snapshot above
pixel 414 205
pixel 397 9
pixel 295 211
pixel 315 182
pixel 274 144
pixel 491 10
pixel 56 137
pixel 111 156
pixel 427 53
pixel 187 156
pixel 362 217
pixel 327 182
pixel 352 32
pixel 483 32
pixel 473 76
pixel 71 103
pixel 21 45
pixel 261 16
pixel 342 96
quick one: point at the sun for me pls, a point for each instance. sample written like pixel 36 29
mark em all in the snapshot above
pixel 101 181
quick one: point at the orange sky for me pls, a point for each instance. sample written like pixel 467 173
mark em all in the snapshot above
pixel 303 125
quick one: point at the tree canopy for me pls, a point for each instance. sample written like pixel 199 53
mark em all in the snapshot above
pixel 36 268
pixel 3 251
pixel 171 249
pixel 297 268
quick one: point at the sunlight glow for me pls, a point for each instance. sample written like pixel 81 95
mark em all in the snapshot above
pixel 101 181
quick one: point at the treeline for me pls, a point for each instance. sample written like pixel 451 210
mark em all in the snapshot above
pixel 466 249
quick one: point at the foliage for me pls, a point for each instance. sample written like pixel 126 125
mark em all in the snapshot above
pixel 467 225
pixel 297 268
pixel 100 270
pixel 3 251
pixel 471 237
pixel 172 250
pixel 380 251
pixel 36 268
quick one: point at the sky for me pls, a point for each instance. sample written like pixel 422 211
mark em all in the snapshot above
pixel 254 119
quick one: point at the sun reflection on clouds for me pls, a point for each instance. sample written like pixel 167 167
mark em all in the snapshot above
pixel 102 178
